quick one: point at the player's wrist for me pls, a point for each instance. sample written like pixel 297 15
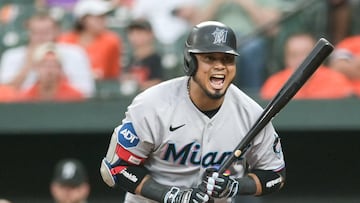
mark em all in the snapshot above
pixel 247 186
pixel 154 190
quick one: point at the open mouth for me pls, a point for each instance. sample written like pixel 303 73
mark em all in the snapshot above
pixel 217 81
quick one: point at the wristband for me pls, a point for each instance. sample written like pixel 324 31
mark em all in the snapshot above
pixel 267 181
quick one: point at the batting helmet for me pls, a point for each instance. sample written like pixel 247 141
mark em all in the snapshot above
pixel 208 37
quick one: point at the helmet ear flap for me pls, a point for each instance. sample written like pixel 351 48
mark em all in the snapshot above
pixel 190 63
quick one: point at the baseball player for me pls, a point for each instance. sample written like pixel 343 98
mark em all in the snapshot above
pixel 175 134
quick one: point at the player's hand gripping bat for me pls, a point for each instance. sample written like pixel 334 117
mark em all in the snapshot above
pixel 321 50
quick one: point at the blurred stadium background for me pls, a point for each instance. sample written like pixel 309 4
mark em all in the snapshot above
pixel 321 139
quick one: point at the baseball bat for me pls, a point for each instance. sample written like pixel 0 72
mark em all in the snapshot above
pixel 321 50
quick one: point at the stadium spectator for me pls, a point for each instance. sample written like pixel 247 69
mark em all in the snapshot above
pixel 70 182
pixel 102 45
pixel 324 84
pixel 16 65
pixel 51 84
pixel 145 66
pixel 64 4
pixel 346 59
pixel 330 19
pixel 8 94
pixel 339 19
pixel 61 10
pixel 188 11
pixel 166 27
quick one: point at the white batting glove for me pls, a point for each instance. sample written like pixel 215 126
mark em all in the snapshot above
pixel 193 195
pixel 218 185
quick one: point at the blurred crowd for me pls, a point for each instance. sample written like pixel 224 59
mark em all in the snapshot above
pixel 76 50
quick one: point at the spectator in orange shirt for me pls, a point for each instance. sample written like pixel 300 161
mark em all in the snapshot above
pixel 346 59
pixel 325 82
pixel 51 84
pixel 102 45
pixel 8 93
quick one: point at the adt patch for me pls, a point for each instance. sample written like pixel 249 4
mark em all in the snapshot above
pixel 127 136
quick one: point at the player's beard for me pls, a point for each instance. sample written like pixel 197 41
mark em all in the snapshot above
pixel 215 96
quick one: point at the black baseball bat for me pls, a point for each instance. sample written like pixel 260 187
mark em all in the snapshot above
pixel 321 50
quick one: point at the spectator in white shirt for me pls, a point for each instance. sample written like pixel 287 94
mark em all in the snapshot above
pixel 16 65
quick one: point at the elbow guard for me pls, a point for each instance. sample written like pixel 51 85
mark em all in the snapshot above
pixel 129 177
pixel 267 181
pixel 105 171
pixel 123 167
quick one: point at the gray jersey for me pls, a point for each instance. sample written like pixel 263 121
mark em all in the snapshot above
pixel 178 141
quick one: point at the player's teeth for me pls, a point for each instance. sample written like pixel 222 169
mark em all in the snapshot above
pixel 218 76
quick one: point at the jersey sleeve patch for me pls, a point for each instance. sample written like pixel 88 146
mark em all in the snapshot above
pixel 277 147
pixel 127 136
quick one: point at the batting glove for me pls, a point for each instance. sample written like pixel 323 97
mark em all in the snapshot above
pixel 193 195
pixel 218 185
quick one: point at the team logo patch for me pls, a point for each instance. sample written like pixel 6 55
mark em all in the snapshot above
pixel 220 36
pixel 277 146
pixel 127 136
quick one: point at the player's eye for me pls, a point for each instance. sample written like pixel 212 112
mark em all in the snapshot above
pixel 228 59
pixel 225 59
pixel 208 58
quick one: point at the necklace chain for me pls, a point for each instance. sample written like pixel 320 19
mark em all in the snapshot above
pixel 188 86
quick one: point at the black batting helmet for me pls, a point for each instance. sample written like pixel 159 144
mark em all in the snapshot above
pixel 208 37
